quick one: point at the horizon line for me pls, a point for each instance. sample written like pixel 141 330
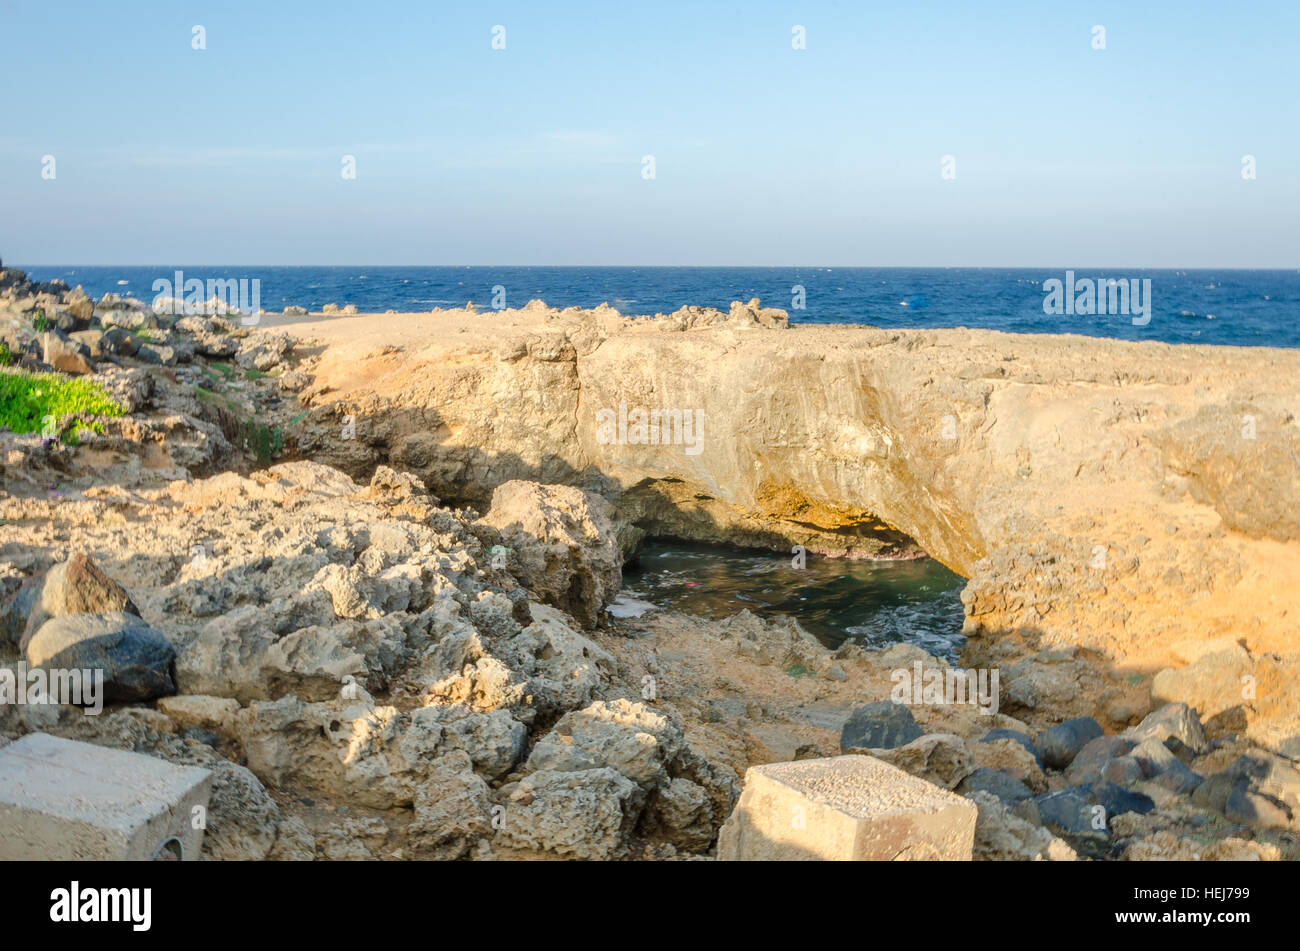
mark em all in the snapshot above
pixel 899 267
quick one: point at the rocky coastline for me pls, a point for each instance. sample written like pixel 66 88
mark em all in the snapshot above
pixel 359 567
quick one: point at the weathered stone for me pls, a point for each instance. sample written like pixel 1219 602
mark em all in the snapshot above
pixel 1024 739
pixel 581 815
pixel 1002 836
pixel 62 799
pixel 561 541
pixel 940 758
pixel 845 807
pixel 1090 763
pixel 77 586
pixel 1059 745
pixel 137 662
pixel 1174 720
pixel 879 726
pixel 995 782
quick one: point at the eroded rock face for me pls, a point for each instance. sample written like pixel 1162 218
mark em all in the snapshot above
pixel 563 543
pixel 1082 485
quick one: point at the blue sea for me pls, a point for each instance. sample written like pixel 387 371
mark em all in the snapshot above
pixel 1235 307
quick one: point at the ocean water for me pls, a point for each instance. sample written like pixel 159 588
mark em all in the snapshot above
pixel 1232 307
pixel 873 603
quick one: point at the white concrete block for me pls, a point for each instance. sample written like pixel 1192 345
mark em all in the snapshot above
pixel 63 799
pixel 845 808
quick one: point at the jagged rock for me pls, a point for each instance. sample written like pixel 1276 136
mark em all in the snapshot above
pixel 1176 720
pixel 781 641
pixel 76 586
pixel 293 842
pixel 453 810
pixel 493 741
pixel 629 737
pixel 940 758
pixel 1002 836
pixel 561 542
pixel 581 815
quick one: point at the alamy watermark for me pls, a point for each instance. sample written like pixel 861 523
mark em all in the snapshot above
pixel 1086 296
pixel 651 427
pixel 22 686
pixel 945 686
pixel 191 296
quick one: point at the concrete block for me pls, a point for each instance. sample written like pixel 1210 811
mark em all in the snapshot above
pixel 63 799
pixel 845 808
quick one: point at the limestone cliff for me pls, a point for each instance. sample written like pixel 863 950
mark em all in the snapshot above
pixel 1131 497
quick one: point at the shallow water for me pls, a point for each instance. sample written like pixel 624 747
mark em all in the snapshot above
pixel 874 603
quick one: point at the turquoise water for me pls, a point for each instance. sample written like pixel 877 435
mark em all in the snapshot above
pixel 875 603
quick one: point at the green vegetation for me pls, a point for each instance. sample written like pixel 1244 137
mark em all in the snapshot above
pixel 225 369
pixel 265 441
pixel 41 323
pixel 6 355
pixel 26 399
pixel 798 670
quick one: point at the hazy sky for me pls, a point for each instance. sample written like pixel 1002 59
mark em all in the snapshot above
pixel 1065 156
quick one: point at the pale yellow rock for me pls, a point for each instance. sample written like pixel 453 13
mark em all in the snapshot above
pixel 845 808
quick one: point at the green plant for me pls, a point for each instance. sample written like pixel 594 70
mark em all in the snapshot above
pixel 41 323
pixel 265 441
pixel 6 355
pixel 28 399
pixel 798 670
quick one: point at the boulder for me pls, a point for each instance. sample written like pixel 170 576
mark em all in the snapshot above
pixel 1002 836
pixel 939 758
pixel 136 660
pixel 76 586
pixel 1059 745
pixel 1024 739
pixel 1173 720
pixel 66 354
pixel 561 544
pixel 1090 763
pixel 997 783
pixel 580 815
pixel 879 726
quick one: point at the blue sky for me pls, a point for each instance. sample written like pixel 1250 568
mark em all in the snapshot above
pixel 764 155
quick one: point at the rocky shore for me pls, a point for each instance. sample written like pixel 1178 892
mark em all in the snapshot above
pixel 358 567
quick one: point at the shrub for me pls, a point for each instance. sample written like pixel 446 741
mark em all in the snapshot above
pixel 26 399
